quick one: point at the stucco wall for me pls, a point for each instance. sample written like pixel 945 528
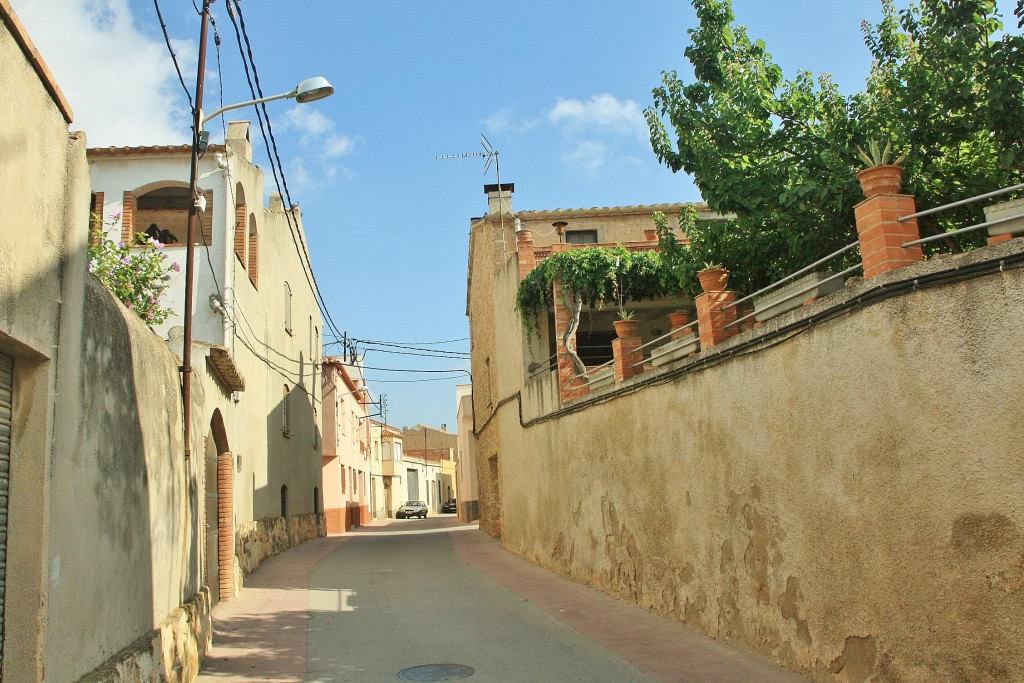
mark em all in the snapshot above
pixel 125 525
pixel 844 498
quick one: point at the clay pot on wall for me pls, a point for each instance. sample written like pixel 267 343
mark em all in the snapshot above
pixel 883 179
pixel 626 328
pixel 679 319
pixel 713 279
pixel 651 234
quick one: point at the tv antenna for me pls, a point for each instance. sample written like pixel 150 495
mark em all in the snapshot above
pixel 490 155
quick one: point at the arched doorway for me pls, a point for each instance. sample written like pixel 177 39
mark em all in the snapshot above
pixel 219 528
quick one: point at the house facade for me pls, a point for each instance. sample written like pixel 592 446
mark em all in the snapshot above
pixel 347 445
pixel 433 451
pixel 257 338
pixel 468 498
pixel 386 470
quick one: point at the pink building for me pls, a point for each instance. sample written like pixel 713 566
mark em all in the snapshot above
pixel 346 452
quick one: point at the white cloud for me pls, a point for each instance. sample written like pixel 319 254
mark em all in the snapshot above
pixel 322 146
pixel 594 135
pixel 600 114
pixel 120 83
pixel 318 133
pixel 588 155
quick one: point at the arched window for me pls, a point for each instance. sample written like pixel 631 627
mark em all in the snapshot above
pixel 162 214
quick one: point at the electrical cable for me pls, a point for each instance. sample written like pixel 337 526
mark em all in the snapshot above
pixel 421 355
pixel 411 381
pixel 430 343
pixel 273 154
pixel 413 348
pixel 174 57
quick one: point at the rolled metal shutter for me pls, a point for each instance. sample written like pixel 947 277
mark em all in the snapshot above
pixel 6 401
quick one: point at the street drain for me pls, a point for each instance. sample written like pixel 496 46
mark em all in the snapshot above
pixel 436 672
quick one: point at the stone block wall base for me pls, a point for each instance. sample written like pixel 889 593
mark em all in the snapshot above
pixel 170 653
pixel 256 541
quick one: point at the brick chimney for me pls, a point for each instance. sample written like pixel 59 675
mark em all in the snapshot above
pixel 499 202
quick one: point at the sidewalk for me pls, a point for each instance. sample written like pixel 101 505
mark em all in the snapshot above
pixel 261 635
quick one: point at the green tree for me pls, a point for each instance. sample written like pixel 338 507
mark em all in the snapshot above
pixel 781 154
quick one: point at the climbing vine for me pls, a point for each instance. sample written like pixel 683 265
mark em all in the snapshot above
pixel 595 276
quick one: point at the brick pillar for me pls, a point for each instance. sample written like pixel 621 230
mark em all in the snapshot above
pixel 880 234
pixel 712 318
pixel 225 526
pixel 128 207
pixel 569 385
pixel 627 355
pixel 524 249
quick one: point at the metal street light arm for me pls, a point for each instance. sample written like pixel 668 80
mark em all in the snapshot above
pixel 309 90
pixel 218 112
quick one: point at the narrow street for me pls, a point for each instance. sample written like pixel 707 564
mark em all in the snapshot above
pixel 410 593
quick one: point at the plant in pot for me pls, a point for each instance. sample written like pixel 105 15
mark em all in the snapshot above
pixel 713 277
pixel 625 325
pixel 879 176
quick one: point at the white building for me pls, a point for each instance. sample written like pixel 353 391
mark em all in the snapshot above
pixel 257 332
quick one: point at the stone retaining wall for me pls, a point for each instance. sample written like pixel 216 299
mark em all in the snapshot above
pixel 170 653
pixel 257 540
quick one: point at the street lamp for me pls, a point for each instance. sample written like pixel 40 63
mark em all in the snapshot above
pixel 309 90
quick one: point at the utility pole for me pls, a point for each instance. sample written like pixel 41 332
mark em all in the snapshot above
pixel 193 219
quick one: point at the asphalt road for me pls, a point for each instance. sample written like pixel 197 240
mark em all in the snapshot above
pixel 399 596
pixel 372 604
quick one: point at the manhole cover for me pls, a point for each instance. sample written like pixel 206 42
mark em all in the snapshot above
pixel 436 672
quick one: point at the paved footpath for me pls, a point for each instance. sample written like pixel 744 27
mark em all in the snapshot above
pixel 368 604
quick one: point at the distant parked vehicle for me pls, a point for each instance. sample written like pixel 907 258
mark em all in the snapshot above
pixel 413 508
pixel 450 506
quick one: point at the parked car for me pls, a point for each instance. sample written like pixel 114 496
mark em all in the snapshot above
pixel 450 506
pixel 412 508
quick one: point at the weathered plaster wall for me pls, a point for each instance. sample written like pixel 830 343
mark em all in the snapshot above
pixel 845 500
pixel 125 526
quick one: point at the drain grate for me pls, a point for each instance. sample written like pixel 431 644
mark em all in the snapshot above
pixel 436 672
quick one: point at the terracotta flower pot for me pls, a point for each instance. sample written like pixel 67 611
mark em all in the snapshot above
pixel 679 319
pixel 713 279
pixel 651 234
pixel 884 179
pixel 626 328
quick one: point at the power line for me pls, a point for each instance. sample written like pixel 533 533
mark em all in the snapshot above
pixel 412 381
pixel 421 355
pixel 429 343
pixel 174 57
pixel 273 154
pixel 276 167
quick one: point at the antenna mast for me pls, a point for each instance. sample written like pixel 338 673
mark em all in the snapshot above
pixel 490 155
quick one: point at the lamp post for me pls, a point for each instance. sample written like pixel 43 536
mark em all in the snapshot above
pixel 309 90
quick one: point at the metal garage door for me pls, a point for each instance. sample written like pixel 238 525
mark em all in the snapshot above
pixel 6 399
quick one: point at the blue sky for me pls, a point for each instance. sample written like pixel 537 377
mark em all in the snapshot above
pixel 557 87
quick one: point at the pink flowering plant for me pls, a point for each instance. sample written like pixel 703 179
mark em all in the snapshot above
pixel 136 273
